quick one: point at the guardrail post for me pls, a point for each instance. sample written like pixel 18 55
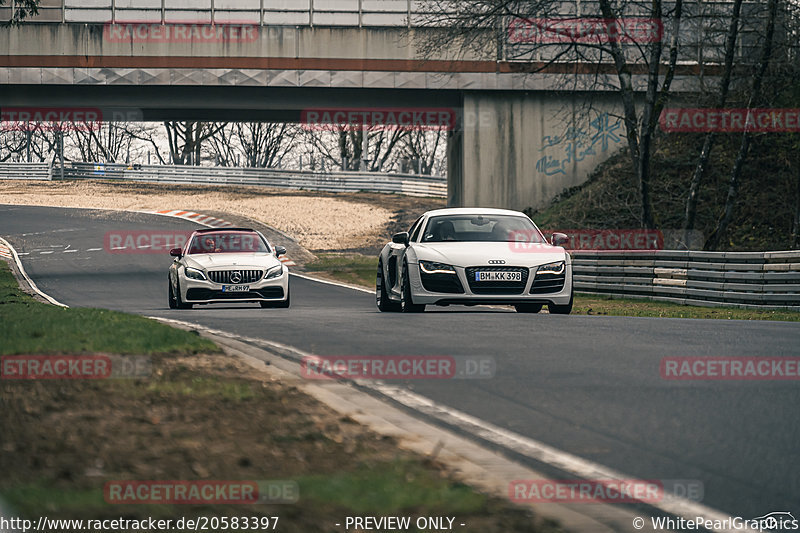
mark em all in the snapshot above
pixel 61 151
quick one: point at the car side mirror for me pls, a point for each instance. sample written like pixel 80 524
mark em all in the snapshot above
pixel 400 238
pixel 176 252
pixel 560 239
pixel 279 251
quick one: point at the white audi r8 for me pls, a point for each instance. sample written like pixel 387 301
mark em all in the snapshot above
pixel 474 256
pixel 228 265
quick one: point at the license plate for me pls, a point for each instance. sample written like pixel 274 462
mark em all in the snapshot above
pixel 498 276
pixel 236 288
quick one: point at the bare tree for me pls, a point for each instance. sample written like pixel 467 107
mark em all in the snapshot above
pixel 425 151
pixel 708 143
pixel 35 142
pixel 481 27
pixel 21 10
pixel 343 147
pixel 185 140
pixel 254 144
pixel 755 96
pixel 108 142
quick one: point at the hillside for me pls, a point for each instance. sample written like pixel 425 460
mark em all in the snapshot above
pixel 768 196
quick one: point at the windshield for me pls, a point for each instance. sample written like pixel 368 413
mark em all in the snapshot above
pixel 484 228
pixel 228 243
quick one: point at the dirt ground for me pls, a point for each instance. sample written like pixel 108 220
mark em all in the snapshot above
pixel 318 221
pixel 208 417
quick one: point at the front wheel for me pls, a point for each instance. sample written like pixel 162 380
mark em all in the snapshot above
pixel 173 303
pixel 381 296
pixel 179 303
pixel 561 309
pixel 407 304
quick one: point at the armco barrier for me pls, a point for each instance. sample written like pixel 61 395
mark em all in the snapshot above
pixel 25 171
pixel 741 279
pixel 408 184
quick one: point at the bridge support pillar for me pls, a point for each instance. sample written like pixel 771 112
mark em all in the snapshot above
pixel 518 150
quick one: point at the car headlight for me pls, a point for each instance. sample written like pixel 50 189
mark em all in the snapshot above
pixel 274 272
pixel 552 268
pixel 193 273
pixel 430 267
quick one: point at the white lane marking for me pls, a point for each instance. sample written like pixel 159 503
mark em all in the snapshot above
pixel 94 249
pixel 45 253
pixel 336 283
pixel 70 251
pixel 50 231
pixel 532 448
pixel 27 278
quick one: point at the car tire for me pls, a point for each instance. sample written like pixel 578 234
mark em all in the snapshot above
pixel 179 303
pixel 407 304
pixel 173 303
pixel 561 309
pixel 528 308
pixel 287 302
pixel 385 305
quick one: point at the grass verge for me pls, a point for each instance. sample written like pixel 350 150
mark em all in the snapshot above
pixel 357 269
pixel 590 304
pixel 215 418
pixel 199 415
pixel 32 327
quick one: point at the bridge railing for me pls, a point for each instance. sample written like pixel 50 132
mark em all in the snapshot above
pixel 740 279
pixel 408 184
pixel 261 12
pixel 26 171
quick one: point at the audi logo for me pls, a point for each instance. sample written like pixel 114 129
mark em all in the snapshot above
pixel 496 262
pixel 236 277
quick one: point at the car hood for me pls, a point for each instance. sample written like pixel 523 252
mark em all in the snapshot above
pixel 466 254
pixel 233 261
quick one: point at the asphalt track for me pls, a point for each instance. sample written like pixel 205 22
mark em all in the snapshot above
pixel 587 385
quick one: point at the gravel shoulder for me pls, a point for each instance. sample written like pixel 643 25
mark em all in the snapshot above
pixel 317 221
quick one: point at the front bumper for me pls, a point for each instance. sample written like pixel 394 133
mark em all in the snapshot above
pixel 207 292
pixel 444 291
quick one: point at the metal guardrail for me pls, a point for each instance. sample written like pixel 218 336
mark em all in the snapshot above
pixel 408 184
pixel 26 171
pixel 740 279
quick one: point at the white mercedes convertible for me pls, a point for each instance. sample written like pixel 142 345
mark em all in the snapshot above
pixel 471 256
pixel 228 265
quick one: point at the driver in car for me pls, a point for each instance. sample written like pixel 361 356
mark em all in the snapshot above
pixel 209 246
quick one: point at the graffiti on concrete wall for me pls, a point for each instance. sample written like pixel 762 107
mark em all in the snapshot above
pixel 577 143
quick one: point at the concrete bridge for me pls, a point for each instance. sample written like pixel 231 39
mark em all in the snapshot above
pixel 519 139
